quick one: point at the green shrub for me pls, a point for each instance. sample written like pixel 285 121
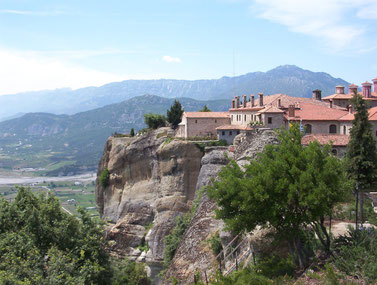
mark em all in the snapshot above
pixel 274 266
pixel 215 243
pixel 154 121
pixel 162 134
pixel 132 132
pixel 173 239
pixel 104 177
pixel 168 140
pixel 356 254
pixel 242 277
pixel 127 272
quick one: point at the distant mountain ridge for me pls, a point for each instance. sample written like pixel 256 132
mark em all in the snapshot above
pixel 73 143
pixel 288 79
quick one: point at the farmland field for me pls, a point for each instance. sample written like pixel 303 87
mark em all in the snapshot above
pixel 71 193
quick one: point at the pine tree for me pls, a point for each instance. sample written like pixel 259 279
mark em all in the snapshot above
pixel 174 114
pixel 132 132
pixel 361 151
pixel 205 109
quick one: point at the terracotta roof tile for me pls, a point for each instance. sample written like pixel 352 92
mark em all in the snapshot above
pixel 271 110
pixel 234 127
pixel 313 112
pixel 372 115
pixel 336 140
pixel 206 114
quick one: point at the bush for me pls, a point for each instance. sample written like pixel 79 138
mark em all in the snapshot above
pixel 215 243
pixel 242 277
pixel 274 266
pixel 173 239
pixel 132 132
pixel 104 177
pixel 154 121
pixel 127 272
pixel 356 254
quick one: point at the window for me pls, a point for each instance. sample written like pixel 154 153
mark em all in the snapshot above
pixel 232 118
pixel 270 120
pixel 334 151
pixel 308 129
pixel 245 118
pixel 223 133
pixel 344 130
pixel 196 121
pixel 332 129
pixel 215 121
pixel 238 132
pixel 230 133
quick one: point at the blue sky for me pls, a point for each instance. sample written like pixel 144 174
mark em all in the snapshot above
pixel 47 44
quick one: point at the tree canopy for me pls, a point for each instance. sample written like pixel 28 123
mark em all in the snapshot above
pixel 42 244
pixel 361 150
pixel 174 114
pixel 154 121
pixel 287 188
pixel 205 109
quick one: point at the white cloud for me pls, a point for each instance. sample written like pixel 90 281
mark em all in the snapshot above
pixel 25 72
pixel 338 23
pixel 170 59
pixel 30 13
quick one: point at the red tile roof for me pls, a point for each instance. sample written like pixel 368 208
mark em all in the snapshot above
pixel 372 115
pixel 234 127
pixel 349 97
pixel 206 114
pixel 336 140
pixel 271 110
pixel 313 112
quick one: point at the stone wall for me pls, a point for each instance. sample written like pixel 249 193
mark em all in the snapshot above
pixel 204 127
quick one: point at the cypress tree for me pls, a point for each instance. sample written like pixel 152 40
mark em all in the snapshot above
pixel 361 151
pixel 174 114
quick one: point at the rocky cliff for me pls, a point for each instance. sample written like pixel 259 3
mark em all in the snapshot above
pixel 154 179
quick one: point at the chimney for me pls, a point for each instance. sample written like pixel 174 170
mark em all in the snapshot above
pixel 339 89
pixel 244 100
pixel 366 89
pixel 233 103
pixel 237 101
pixel 352 88
pixel 317 94
pixel 279 103
pixel 350 109
pixel 331 103
pixel 375 85
pixel 291 111
pixel 252 100
pixel 260 99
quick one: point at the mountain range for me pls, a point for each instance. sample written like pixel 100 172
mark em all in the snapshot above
pixel 288 79
pixel 67 144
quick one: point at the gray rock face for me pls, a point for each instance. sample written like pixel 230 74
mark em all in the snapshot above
pixel 151 182
pixel 194 254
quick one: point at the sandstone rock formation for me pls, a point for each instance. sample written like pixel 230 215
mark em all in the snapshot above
pixel 151 181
